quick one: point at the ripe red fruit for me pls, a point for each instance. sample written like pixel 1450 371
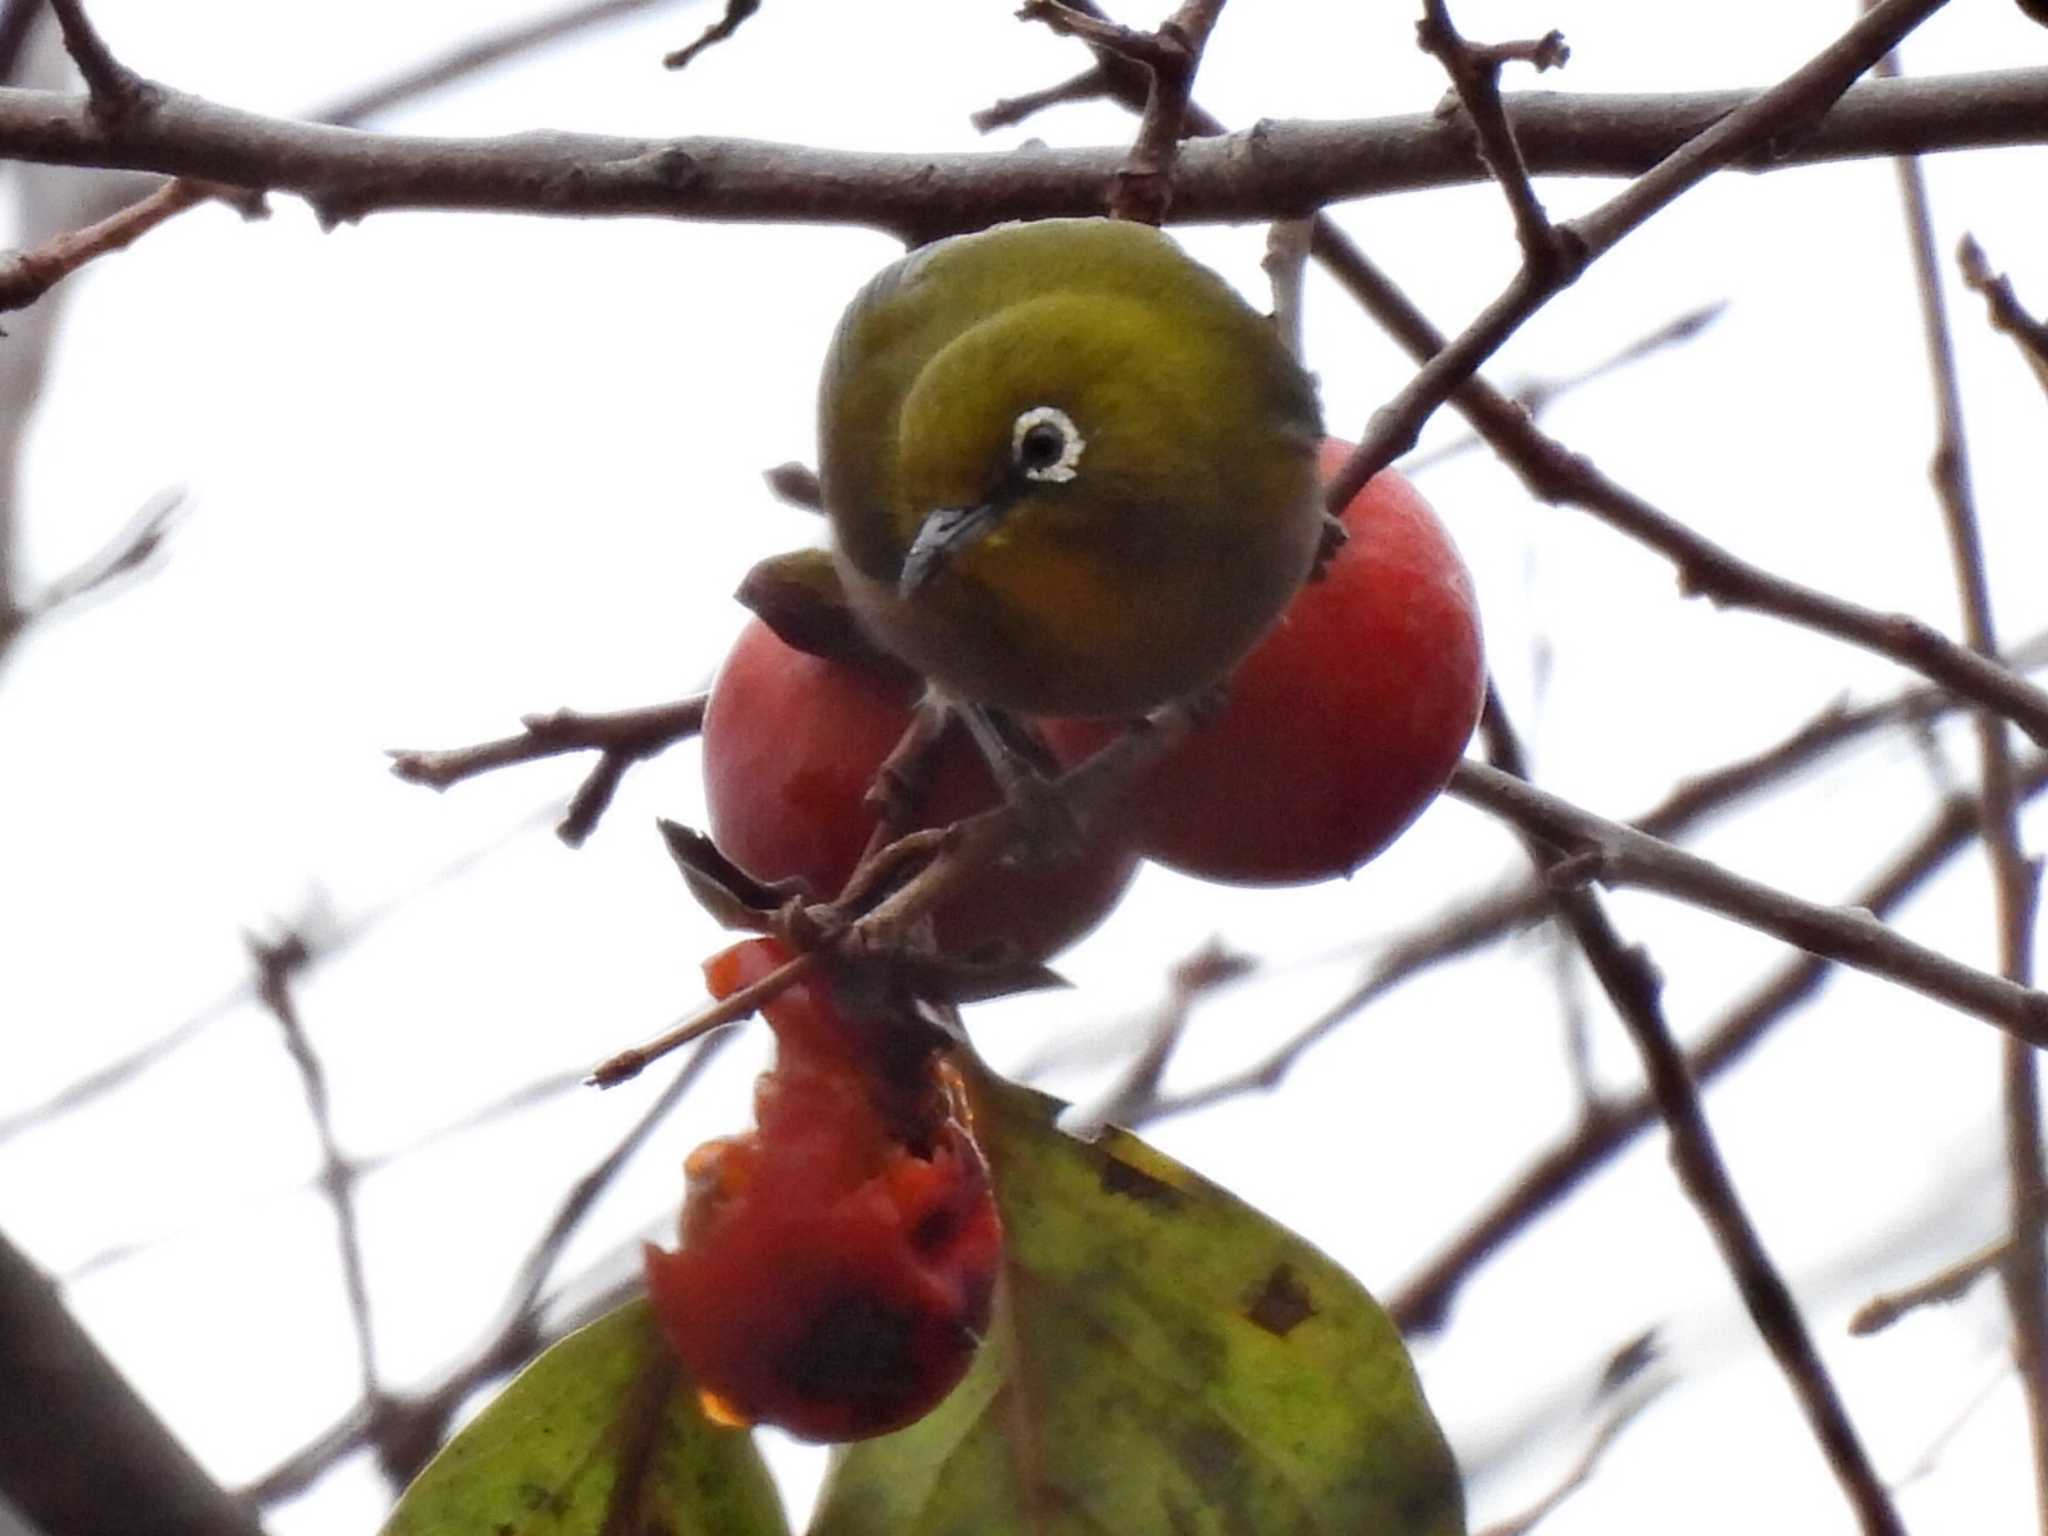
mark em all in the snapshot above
pixel 791 745
pixel 1344 722
pixel 837 1262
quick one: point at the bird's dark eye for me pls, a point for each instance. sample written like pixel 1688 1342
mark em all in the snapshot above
pixel 1041 446
pixel 1046 444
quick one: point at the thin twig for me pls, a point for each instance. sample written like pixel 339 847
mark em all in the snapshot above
pixel 958 853
pixel 1286 267
pixel 118 93
pixel 277 962
pixel 1143 186
pixel 479 53
pixel 26 276
pixel 1582 1471
pixel 1634 986
pixel 136 543
pixel 736 12
pixel 2007 313
pixel 2015 880
pixel 624 1066
pixel 623 737
pixel 1137 1088
pixel 1090 84
pixel 636 732
pixel 1930 1458
pixel 1475 75
pixel 1949 1284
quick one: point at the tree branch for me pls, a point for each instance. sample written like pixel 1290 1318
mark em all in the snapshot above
pixel 1613 854
pixel 27 275
pixel 117 92
pixel 79 1451
pixel 277 962
pixel 1278 169
pixel 623 737
pixel 2006 311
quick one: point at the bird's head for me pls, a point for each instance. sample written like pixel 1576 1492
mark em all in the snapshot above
pixel 1051 431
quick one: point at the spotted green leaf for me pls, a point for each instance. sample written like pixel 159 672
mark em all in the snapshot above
pixel 600 1436
pixel 1164 1359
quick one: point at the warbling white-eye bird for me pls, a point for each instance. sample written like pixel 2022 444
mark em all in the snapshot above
pixel 1069 470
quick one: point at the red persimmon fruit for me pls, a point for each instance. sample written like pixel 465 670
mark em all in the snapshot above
pixel 1340 726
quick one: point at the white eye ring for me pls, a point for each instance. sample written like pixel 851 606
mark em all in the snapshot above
pixel 1060 469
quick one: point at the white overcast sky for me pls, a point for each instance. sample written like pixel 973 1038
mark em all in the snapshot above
pixel 444 470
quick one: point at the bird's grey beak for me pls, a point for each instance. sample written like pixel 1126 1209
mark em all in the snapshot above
pixel 945 534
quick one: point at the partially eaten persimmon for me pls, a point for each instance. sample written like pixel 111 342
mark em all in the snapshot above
pixel 837 1262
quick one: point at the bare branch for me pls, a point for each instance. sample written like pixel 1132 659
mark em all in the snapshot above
pixel 1475 75
pixel 1089 85
pixel 79 1451
pixel 1613 854
pixel 736 12
pixel 26 276
pixel 2007 313
pixel 118 93
pixel 1286 266
pixel 1950 1284
pixel 1581 1472
pixel 1208 968
pixel 624 737
pixel 1279 169
pixel 476 55
pixel 132 548
pixel 277 962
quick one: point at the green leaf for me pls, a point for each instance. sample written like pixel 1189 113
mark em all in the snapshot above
pixel 1163 1359
pixel 602 1434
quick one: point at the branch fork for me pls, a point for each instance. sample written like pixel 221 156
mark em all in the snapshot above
pixel 119 95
